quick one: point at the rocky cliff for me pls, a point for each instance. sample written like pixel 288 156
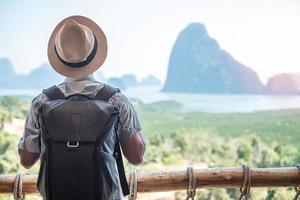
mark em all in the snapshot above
pixel 198 65
pixel 286 83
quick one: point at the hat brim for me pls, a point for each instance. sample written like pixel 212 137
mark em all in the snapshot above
pixel 93 65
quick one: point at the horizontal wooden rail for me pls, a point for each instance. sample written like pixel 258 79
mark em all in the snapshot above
pixel 224 177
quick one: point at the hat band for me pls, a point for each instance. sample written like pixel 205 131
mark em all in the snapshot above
pixel 83 63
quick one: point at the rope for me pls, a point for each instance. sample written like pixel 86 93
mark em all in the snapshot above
pixel 18 193
pixel 297 188
pixel 191 191
pixel 133 185
pixel 245 189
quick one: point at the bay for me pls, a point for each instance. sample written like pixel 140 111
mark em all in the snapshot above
pixel 200 102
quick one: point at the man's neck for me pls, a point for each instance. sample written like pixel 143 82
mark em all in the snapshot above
pixel 89 77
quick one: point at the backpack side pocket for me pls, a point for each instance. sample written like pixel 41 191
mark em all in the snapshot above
pixel 107 175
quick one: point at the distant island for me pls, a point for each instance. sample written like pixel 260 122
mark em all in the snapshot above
pixel 285 83
pixel 130 80
pixel 197 64
pixel 44 76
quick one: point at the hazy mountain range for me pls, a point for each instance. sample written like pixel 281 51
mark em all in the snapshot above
pixel 197 64
pixel 41 77
pixel 44 76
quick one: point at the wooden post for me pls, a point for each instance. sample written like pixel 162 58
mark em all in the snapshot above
pixel 177 180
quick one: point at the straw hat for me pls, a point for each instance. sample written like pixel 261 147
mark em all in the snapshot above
pixel 77 47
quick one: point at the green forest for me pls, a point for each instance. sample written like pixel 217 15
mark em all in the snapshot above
pixel 177 139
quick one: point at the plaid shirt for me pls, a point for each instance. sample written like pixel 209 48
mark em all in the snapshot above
pixel 130 125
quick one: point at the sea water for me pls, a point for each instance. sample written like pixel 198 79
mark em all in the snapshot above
pixel 200 102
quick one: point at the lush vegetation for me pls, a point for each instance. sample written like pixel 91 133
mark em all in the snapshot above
pixel 261 139
pixel 176 139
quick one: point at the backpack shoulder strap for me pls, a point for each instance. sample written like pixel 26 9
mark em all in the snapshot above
pixel 104 95
pixel 106 92
pixel 120 165
pixel 53 93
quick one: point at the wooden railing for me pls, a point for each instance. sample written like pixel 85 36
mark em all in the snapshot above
pixel 224 177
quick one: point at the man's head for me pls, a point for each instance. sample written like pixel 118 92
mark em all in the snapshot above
pixel 77 47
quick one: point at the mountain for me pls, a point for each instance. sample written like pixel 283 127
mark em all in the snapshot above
pixel 129 80
pixel 117 82
pixel 99 76
pixel 7 71
pixel 41 77
pixel 150 80
pixel 44 76
pixel 198 65
pixel 286 83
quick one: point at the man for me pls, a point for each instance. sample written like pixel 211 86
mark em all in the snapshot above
pixel 76 49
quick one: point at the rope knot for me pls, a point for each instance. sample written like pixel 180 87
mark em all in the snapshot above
pixel 133 185
pixel 191 191
pixel 297 188
pixel 245 188
pixel 18 193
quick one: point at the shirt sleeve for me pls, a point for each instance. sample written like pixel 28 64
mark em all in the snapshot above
pixel 129 121
pixel 30 139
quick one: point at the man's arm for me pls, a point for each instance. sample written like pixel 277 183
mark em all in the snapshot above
pixel 130 131
pixel 134 148
pixel 29 143
pixel 27 159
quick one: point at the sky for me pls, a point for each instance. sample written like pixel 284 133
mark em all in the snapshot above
pixel 261 34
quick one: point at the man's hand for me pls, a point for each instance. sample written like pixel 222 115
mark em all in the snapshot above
pixel 133 149
pixel 28 159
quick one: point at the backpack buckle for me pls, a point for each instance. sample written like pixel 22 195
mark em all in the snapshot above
pixel 73 145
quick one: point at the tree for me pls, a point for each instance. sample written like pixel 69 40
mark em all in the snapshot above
pixel 11 104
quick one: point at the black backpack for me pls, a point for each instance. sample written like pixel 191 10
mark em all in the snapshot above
pixel 73 164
